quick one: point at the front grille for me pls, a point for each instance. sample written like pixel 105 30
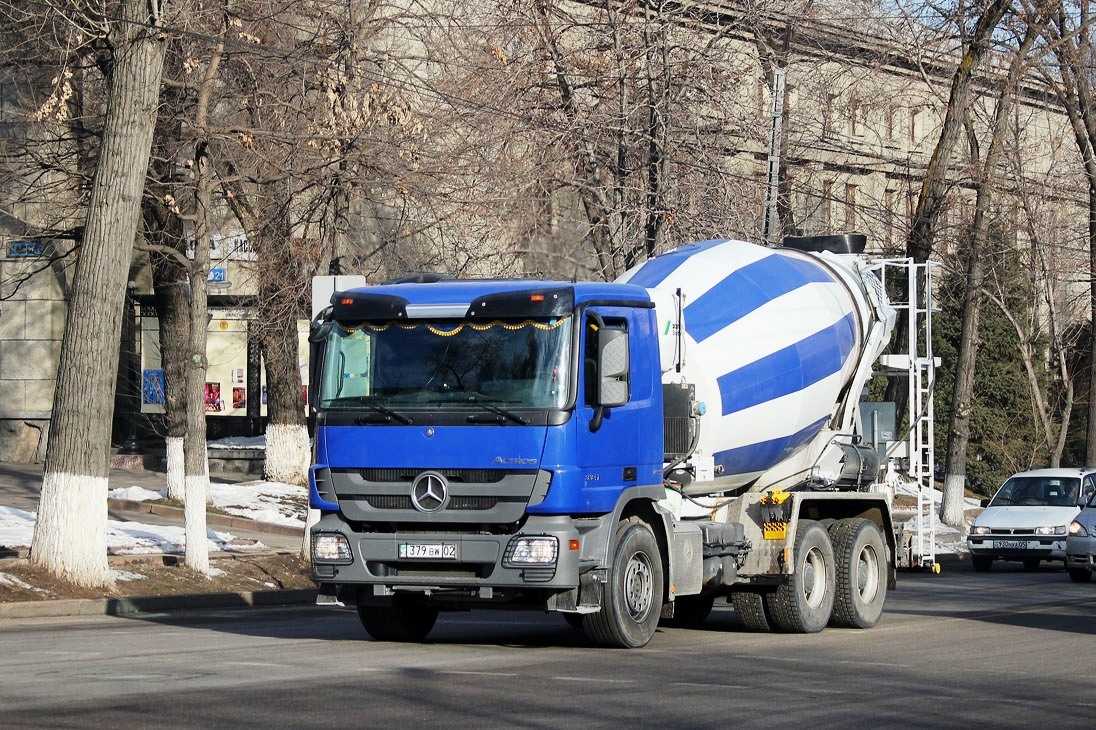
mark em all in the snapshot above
pixel 463 476
pixel 395 501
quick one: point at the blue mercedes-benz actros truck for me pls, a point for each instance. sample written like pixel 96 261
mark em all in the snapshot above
pixel 617 452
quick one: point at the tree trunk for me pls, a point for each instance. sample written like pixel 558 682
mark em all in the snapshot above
pixel 169 277
pixel 196 455
pixel 952 502
pixel 70 534
pixel 287 445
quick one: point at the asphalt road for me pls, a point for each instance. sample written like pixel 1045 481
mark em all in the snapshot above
pixel 1004 649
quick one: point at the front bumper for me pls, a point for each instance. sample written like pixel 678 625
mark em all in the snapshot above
pixel 1081 552
pixel 1018 547
pixel 480 564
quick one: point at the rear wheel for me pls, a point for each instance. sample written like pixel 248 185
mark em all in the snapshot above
pixel 750 607
pixel 691 611
pixel 1030 563
pixel 804 603
pixel 631 601
pixel 406 619
pixel 1080 575
pixel 981 563
pixel 860 568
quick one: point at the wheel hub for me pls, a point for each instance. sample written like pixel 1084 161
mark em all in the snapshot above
pixel 638 585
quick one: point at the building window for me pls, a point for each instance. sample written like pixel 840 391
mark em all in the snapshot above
pixel 888 123
pixel 856 124
pixel 915 119
pixel 827 204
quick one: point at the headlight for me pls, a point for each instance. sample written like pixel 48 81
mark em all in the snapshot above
pixel 979 530
pixel 532 551
pixel 330 547
pixel 1056 530
pixel 1076 528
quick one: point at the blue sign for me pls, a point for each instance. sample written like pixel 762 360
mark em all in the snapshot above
pixel 218 276
pixel 26 249
pixel 152 388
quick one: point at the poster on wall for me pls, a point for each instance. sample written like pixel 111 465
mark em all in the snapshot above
pixel 152 388
pixel 239 397
pixel 213 402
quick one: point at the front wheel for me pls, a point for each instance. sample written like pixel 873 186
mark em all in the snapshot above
pixel 631 601
pixel 406 619
pixel 1080 575
pixel 804 603
pixel 861 564
pixel 981 563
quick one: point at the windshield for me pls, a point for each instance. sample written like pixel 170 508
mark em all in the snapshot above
pixel 1038 492
pixel 514 363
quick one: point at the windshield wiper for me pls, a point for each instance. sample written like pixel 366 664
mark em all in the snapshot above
pixel 505 414
pixel 388 414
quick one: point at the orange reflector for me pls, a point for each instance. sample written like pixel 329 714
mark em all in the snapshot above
pixel 574 545
pixel 346 300
pixel 536 298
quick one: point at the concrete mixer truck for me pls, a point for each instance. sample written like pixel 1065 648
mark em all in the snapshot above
pixel 621 453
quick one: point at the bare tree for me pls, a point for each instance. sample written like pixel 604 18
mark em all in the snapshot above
pixel 951 505
pixel 1070 40
pixel 70 533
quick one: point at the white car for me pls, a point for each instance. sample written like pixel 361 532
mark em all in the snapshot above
pixel 1028 519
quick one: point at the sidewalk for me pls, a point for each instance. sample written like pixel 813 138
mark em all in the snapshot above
pixel 20 487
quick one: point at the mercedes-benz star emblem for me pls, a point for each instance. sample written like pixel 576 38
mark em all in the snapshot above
pixel 429 492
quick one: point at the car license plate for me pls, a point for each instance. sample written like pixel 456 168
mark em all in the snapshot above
pixel 427 551
pixel 1010 544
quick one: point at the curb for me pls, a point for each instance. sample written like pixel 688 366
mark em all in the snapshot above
pixel 155 604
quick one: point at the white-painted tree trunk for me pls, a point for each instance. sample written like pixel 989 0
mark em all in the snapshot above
pixel 176 484
pixel 70 534
pixel 953 501
pixel 72 519
pixel 310 519
pixel 197 539
pixel 288 454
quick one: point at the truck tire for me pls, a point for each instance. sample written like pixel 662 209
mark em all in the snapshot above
pixel 860 559
pixel 690 612
pixel 803 604
pixel 750 607
pixel 407 619
pixel 631 602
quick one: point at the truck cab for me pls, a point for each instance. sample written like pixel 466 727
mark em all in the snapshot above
pixel 470 436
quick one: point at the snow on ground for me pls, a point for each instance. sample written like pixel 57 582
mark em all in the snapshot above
pixel 272 502
pixel 240 442
pixel 125 538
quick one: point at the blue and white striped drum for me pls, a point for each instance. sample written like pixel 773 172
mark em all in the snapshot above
pixel 772 338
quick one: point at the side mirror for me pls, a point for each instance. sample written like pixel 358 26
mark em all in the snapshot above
pixel 612 387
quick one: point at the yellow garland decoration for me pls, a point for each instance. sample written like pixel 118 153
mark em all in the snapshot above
pixel 456 330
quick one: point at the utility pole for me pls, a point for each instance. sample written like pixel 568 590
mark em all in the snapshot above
pixel 771 224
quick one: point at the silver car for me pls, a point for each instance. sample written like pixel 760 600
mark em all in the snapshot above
pixel 1081 544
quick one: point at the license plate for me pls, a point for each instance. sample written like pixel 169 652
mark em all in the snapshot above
pixel 427 551
pixel 1010 544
